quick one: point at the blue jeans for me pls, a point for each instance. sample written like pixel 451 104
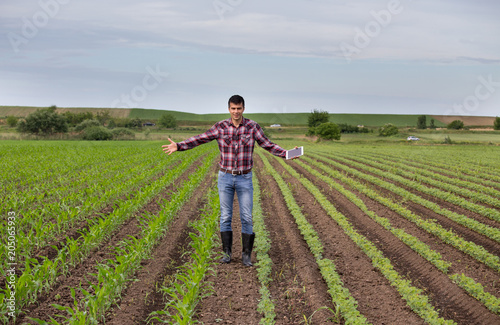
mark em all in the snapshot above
pixel 243 186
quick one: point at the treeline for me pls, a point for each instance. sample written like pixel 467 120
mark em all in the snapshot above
pixel 87 125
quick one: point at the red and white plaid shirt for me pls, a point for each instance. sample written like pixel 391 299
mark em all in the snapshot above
pixel 236 144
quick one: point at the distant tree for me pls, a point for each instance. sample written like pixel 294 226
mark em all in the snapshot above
pixel 388 130
pixel 103 117
pixel 422 122
pixel 432 126
pixel 168 121
pixel 316 118
pixel 43 121
pixel 456 125
pixel 134 123
pixel 74 119
pixel 112 124
pixel 496 124
pixel 328 131
pixel 12 121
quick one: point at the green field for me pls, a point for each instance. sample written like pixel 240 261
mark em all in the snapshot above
pixel 94 229
pixel 289 119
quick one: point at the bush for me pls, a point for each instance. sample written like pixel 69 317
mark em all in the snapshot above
pixel 328 131
pixel 134 123
pixel 12 121
pixel 74 119
pixel 43 121
pixel 123 133
pixel 85 124
pixel 456 125
pixel 168 121
pixel 97 133
pixel 388 130
pixel 496 124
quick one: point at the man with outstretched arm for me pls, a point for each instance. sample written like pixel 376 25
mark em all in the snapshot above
pixel 236 137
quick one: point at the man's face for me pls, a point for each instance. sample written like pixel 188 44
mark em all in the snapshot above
pixel 236 111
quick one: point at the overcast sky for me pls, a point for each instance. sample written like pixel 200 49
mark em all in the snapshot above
pixel 370 56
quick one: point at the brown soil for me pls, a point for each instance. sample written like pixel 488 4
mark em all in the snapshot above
pixel 468 120
pixel 452 302
pixel 378 301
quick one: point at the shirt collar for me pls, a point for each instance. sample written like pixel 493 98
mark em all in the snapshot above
pixel 244 122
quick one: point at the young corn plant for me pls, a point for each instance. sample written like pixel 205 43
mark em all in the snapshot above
pixel 189 287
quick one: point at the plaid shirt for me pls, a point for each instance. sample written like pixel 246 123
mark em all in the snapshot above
pixel 236 144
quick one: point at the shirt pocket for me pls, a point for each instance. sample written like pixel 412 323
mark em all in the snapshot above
pixel 226 140
pixel 246 139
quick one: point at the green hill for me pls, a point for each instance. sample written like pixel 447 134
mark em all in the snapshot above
pixel 294 119
pixel 266 119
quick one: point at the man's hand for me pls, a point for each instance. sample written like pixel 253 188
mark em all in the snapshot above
pixel 171 148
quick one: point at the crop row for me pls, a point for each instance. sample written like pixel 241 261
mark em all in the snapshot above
pixel 113 276
pixel 448 236
pixel 40 276
pixel 473 288
pixel 493 214
pixel 53 160
pixel 264 265
pixel 414 297
pixel 420 170
pixel 479 164
pixel 189 286
pixel 39 226
pixel 341 296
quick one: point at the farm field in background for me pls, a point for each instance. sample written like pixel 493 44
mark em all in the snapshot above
pixel 368 233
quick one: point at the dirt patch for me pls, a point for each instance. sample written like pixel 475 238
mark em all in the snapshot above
pixel 298 288
pixel 236 287
pixel 468 120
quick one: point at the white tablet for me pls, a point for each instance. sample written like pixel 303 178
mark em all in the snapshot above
pixel 294 153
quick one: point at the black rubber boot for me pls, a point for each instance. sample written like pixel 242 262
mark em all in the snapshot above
pixel 247 243
pixel 227 244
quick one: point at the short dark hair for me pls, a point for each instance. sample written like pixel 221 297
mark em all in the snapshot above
pixel 236 99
